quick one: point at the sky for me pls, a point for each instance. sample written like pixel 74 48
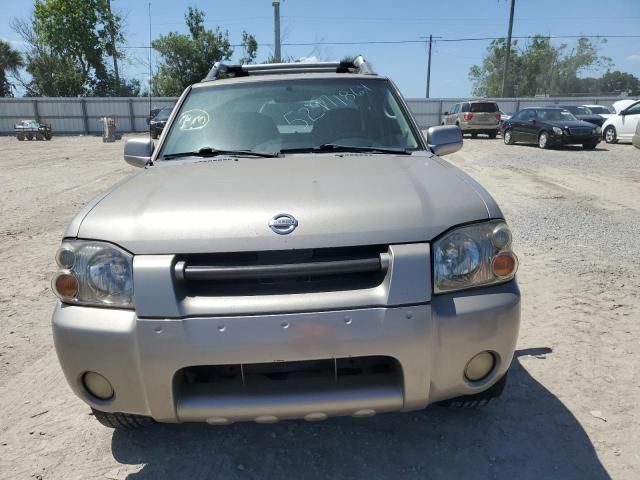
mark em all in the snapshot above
pixel 319 22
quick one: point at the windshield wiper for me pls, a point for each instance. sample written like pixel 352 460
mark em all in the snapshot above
pixel 333 147
pixel 214 152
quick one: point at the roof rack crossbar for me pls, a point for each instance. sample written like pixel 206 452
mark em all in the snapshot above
pixel 357 65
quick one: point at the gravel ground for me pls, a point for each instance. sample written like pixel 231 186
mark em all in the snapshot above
pixel 570 410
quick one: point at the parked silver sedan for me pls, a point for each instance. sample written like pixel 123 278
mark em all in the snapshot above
pixel 292 248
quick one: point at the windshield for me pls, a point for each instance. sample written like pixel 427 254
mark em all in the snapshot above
pixel 599 110
pixel 555 115
pixel 484 107
pixel 280 115
pixel 576 110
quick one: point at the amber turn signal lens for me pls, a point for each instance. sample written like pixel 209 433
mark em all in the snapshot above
pixel 505 264
pixel 65 285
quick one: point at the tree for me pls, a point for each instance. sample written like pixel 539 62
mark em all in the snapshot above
pixel 186 59
pixel 538 69
pixel 68 42
pixel 10 62
pixel 72 28
pixel 250 48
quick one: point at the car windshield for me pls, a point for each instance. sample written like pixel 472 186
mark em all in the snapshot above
pixel 272 116
pixel 554 115
pixel 163 114
pixel 484 107
pixel 599 110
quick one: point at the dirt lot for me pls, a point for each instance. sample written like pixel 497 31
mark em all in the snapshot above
pixel 570 410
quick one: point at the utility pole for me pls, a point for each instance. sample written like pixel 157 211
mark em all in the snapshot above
pixel 276 27
pixel 114 53
pixel 429 66
pixel 507 58
pixel 430 40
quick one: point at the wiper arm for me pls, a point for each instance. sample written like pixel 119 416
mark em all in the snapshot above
pixel 213 152
pixel 333 147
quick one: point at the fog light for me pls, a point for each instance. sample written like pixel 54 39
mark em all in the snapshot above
pixel 97 385
pixel 479 366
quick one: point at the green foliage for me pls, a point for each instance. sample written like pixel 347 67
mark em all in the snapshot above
pixel 68 41
pixel 186 59
pixel 250 48
pixel 10 62
pixel 540 68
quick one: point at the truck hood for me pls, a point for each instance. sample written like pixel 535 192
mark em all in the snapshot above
pixel 224 204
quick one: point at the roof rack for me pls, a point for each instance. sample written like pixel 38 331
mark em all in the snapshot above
pixel 356 65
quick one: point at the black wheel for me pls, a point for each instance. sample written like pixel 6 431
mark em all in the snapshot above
pixel 122 421
pixel 478 400
pixel 589 145
pixel 507 137
pixel 493 135
pixel 39 136
pixel 543 140
pixel 20 136
pixel 610 134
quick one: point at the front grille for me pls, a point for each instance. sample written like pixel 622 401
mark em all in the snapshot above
pixel 580 131
pixel 281 272
pixel 283 375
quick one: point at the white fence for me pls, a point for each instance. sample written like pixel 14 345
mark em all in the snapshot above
pixel 82 115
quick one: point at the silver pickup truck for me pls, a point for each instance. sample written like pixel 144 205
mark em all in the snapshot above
pixel 292 248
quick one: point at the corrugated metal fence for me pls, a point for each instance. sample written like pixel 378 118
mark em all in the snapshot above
pixel 79 115
pixel 82 115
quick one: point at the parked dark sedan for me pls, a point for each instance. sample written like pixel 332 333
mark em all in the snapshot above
pixel 159 121
pixel 548 127
pixel 582 113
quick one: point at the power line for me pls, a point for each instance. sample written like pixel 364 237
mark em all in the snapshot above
pixel 442 40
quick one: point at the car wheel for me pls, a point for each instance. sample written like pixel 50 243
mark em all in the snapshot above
pixel 478 400
pixel 610 135
pixel 543 140
pixel 589 145
pixel 122 421
pixel 20 137
pixel 507 137
pixel 493 135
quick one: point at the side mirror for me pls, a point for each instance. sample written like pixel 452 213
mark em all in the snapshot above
pixel 444 140
pixel 446 113
pixel 138 151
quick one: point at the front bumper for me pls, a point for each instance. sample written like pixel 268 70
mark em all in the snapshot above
pixel 565 139
pixel 431 343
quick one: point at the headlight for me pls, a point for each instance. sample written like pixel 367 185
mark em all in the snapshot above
pixel 557 130
pixel 473 256
pixel 94 273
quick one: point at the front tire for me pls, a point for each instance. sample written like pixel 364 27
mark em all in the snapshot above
pixel 507 136
pixel 122 421
pixel 610 134
pixel 543 140
pixel 479 400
